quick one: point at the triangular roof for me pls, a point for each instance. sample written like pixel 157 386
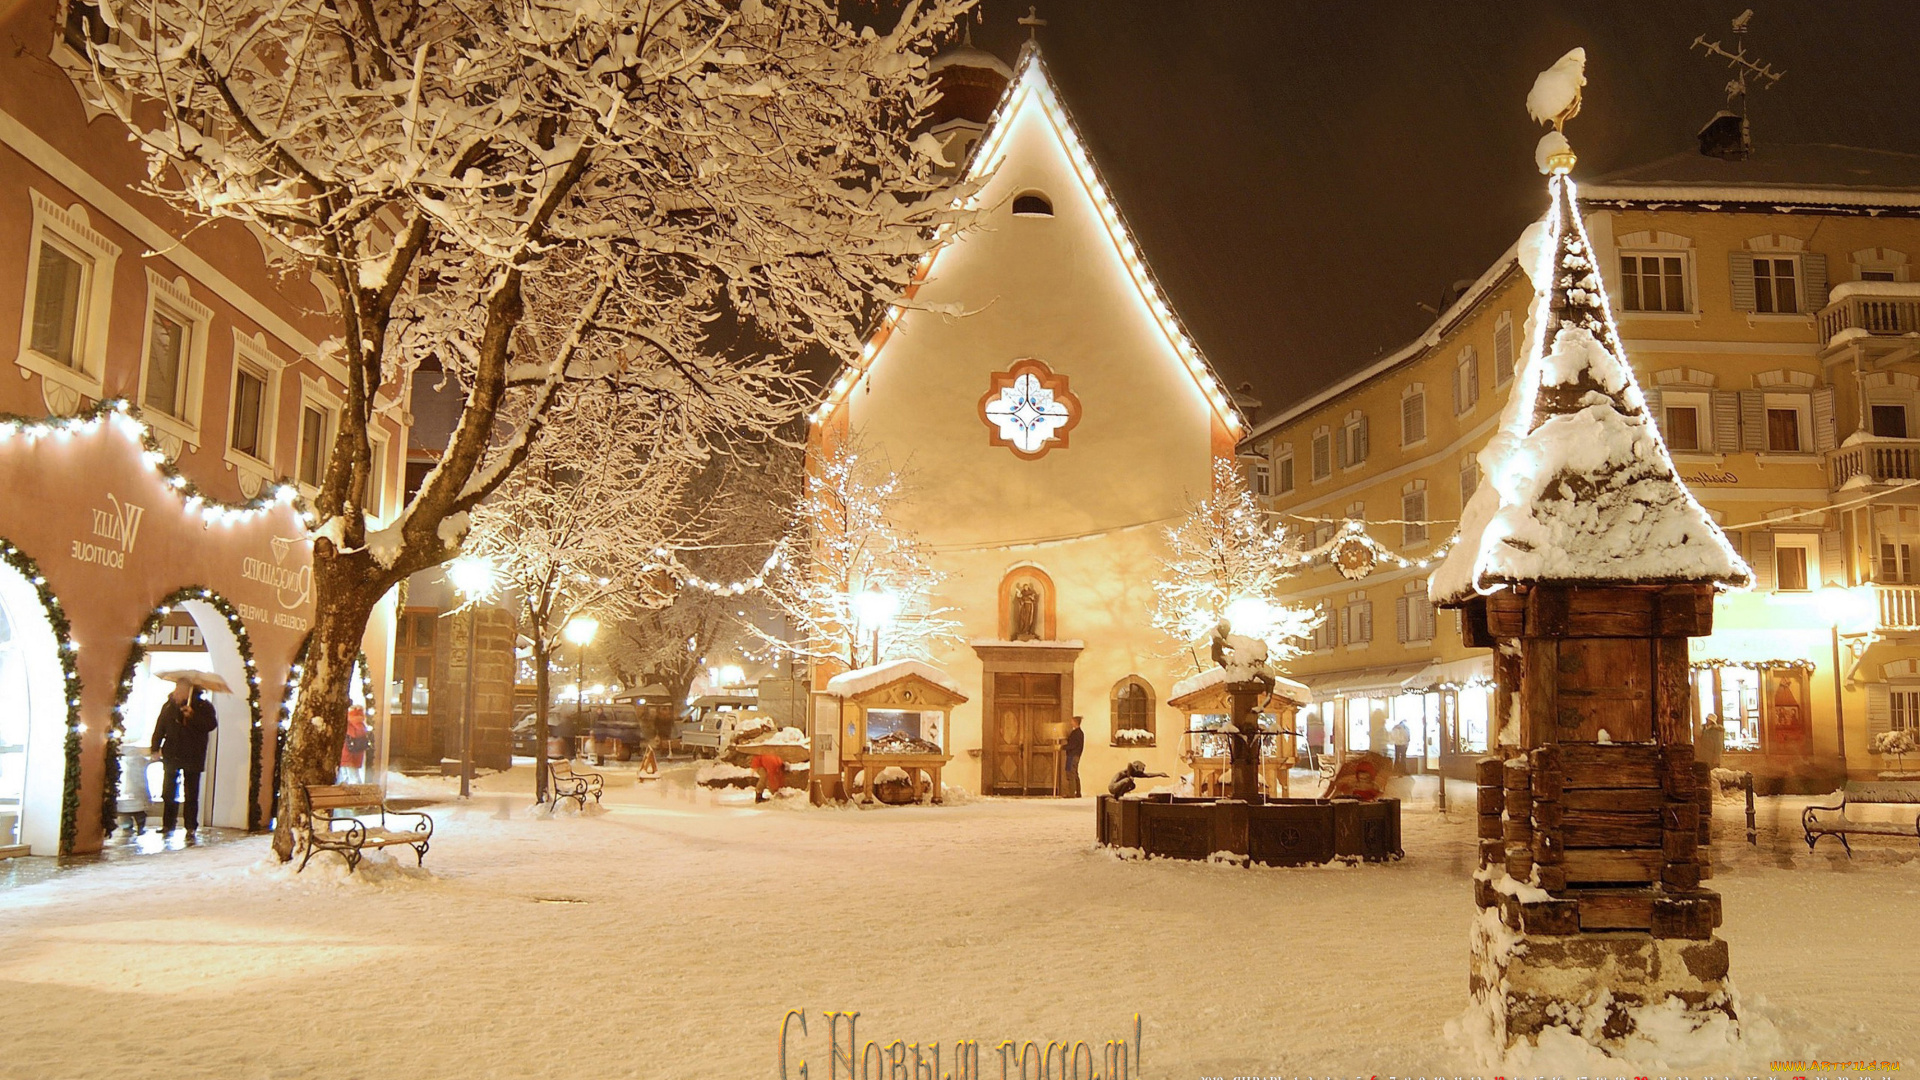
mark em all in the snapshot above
pixel 1032 88
pixel 1580 488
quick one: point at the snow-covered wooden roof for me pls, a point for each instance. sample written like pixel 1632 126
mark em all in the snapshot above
pixel 1195 689
pixel 1033 88
pixel 1580 488
pixel 867 680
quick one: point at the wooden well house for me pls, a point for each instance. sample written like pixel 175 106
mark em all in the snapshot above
pixel 1209 705
pixel 1586 565
pixel 894 715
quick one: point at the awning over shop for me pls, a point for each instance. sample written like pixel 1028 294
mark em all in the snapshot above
pixel 1389 679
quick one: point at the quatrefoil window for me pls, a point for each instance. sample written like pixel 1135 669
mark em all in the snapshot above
pixel 1028 409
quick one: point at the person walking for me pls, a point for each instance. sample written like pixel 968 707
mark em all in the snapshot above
pixel 1076 745
pixel 180 742
pixel 1398 737
pixel 353 752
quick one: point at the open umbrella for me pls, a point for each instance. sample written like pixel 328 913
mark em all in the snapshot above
pixel 205 680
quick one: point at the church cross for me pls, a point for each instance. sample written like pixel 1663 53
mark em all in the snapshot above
pixel 1032 21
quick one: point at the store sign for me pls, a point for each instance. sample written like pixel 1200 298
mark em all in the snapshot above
pixel 292 585
pixel 179 633
pixel 118 524
pixel 1712 478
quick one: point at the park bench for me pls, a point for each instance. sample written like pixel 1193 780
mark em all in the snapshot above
pixel 568 784
pixel 350 836
pixel 1819 821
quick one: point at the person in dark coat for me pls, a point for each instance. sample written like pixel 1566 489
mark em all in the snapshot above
pixel 1076 745
pixel 180 742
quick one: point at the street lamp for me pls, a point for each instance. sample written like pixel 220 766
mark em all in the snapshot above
pixel 876 608
pixel 580 630
pixel 473 577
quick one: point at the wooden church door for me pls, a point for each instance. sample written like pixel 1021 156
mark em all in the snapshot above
pixel 1025 759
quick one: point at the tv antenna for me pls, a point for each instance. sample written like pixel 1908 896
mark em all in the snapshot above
pixel 1746 69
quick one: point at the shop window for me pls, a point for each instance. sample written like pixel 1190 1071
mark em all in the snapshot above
pixel 1654 282
pixel 1132 717
pixel 1890 421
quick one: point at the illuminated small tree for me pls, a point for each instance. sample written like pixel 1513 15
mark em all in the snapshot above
pixel 1225 563
pixel 849 559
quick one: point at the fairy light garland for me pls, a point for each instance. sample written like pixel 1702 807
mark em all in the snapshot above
pixel 1800 665
pixel 24 565
pixel 122 416
pixel 1031 79
pixel 1354 529
pixel 671 564
pixel 117 726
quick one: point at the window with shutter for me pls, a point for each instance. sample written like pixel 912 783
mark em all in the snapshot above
pixel 1402 625
pixel 1413 515
pixel 1361 438
pixel 1741 280
pixel 1789 568
pixel 1760 557
pixel 1413 418
pixel 1726 421
pixel 1469 479
pixel 1322 456
pixel 1813 273
pixel 1262 478
pixel 1879 708
pixel 1503 349
pixel 1832 559
pixel 1776 288
pixel 1823 433
pixel 1653 282
pixel 1683 427
pixel 1283 474
pixel 1753 420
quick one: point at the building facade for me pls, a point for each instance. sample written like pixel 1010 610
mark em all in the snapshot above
pixel 172 409
pixel 1053 418
pixel 1765 304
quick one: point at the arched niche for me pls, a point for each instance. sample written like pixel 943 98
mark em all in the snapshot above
pixel 1015 602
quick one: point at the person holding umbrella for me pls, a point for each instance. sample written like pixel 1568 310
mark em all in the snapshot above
pixel 180 742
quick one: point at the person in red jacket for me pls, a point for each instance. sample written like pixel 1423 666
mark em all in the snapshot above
pixel 180 742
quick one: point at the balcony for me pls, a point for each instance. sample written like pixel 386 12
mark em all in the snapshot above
pixel 1898 607
pixel 1881 308
pixel 1874 461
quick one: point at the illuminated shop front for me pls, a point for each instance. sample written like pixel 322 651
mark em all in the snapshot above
pixel 1447 710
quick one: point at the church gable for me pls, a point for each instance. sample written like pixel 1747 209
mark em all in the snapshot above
pixel 1041 380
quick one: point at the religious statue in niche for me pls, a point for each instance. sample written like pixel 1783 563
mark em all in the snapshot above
pixel 1026 612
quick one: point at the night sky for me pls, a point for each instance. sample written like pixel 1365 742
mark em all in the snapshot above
pixel 1302 174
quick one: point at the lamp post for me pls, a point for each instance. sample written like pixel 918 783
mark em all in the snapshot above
pixel 579 630
pixel 876 608
pixel 473 577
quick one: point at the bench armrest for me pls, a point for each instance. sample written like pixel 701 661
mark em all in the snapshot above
pixel 424 825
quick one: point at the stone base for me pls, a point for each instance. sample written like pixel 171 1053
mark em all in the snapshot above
pixel 1591 983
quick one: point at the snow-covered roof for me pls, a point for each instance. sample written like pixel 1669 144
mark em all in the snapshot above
pixel 1580 486
pixel 861 680
pixel 1283 687
pixel 1821 174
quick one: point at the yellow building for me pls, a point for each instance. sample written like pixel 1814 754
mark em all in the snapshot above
pixel 1767 307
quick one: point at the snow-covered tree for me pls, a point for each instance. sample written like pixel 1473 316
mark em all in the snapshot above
pixel 579 527
pixel 1225 563
pixel 852 572
pixel 745 497
pixel 1896 744
pixel 534 193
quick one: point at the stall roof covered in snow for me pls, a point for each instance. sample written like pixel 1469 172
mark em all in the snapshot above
pixel 1580 487
pixel 1283 687
pixel 861 680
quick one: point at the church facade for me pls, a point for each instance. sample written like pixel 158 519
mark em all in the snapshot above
pixel 1052 419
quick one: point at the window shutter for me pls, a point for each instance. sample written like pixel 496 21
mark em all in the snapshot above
pixel 1813 271
pixel 1753 420
pixel 1346 625
pixel 1360 451
pixel 1365 621
pixel 1402 625
pixel 1823 434
pixel 1879 709
pixel 1726 421
pixel 1742 279
pixel 1760 557
pixel 1503 353
pixel 1473 375
pixel 1459 387
pixel 1832 558
pixel 1656 408
pixel 1428 619
pixel 1340 447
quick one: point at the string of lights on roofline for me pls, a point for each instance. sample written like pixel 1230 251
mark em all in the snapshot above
pixel 1031 79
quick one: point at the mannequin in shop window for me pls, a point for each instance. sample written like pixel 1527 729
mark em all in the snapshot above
pixel 180 742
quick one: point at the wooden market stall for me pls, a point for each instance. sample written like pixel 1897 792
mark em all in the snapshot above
pixel 893 716
pixel 1204 700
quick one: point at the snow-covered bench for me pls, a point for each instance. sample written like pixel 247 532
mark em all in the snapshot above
pixel 568 784
pixel 350 836
pixel 1819 821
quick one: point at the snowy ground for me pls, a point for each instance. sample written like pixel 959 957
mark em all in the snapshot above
pixel 668 936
